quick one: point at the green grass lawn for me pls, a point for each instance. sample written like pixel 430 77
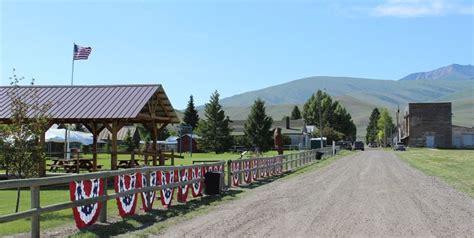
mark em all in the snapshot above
pixel 58 194
pixel 456 167
pixel 104 158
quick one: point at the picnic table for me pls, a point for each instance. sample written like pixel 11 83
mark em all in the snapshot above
pixel 70 165
pixel 127 163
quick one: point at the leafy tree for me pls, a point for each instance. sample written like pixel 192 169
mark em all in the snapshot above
pixel 371 135
pixel 295 114
pixel 333 115
pixel 215 130
pixel 384 125
pixel 258 125
pixel 191 116
pixel 22 152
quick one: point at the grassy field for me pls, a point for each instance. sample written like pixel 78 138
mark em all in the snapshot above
pixel 456 167
pixel 58 194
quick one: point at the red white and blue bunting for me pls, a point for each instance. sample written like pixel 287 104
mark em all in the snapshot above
pixel 247 175
pixel 126 204
pixel 166 193
pixel 148 197
pixel 184 176
pixel 255 171
pixel 261 164
pixel 279 167
pixel 196 187
pixel 235 175
pixel 86 215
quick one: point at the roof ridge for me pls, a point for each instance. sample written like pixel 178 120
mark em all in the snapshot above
pixel 84 86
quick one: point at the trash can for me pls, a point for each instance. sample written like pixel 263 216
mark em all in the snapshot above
pixel 212 183
pixel 319 155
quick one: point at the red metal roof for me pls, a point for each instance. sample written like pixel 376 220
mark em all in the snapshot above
pixel 93 102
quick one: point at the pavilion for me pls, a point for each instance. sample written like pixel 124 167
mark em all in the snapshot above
pixel 97 108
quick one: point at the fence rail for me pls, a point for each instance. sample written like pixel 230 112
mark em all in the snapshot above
pixel 282 162
pixel 34 184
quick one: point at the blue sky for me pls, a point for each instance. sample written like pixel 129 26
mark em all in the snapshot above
pixel 196 47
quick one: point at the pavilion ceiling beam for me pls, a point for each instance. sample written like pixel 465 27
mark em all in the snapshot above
pixel 164 108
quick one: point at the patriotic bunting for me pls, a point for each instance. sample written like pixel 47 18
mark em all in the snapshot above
pixel 166 193
pixel 126 204
pixel 184 176
pixel 261 164
pixel 247 175
pixel 255 172
pixel 196 187
pixel 148 195
pixel 235 175
pixel 86 215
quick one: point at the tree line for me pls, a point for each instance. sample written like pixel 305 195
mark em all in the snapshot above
pixel 320 110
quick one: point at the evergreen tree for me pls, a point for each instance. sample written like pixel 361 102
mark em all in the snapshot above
pixel 164 134
pixel 191 117
pixel 371 135
pixel 258 125
pixel 214 130
pixel 342 122
pixel 295 114
pixel 128 142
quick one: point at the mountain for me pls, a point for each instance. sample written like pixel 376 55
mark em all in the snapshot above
pixel 450 72
pixel 359 96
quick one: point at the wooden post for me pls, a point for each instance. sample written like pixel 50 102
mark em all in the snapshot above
pixel 113 162
pixel 155 145
pixel 132 159
pixel 172 157
pixel 229 173
pixel 103 212
pixel 77 160
pixel 35 203
pixel 94 146
pixel 161 157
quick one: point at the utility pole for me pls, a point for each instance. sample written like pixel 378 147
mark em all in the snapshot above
pixel 398 124
pixel 320 123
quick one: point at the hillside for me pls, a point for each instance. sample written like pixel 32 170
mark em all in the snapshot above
pixel 359 96
pixel 450 72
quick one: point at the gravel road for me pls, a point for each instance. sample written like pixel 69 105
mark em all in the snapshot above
pixel 368 194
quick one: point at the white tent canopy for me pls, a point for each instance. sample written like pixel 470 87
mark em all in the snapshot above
pixel 57 135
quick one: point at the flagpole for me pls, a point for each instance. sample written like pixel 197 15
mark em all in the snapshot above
pixel 66 141
pixel 72 72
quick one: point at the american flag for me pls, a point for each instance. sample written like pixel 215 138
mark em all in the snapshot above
pixel 81 53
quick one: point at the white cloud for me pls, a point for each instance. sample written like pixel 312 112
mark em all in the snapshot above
pixel 420 8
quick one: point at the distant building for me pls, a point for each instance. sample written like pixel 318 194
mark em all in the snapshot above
pixel 294 129
pixel 463 137
pixel 105 135
pixel 427 125
pixel 174 142
pixel 187 142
